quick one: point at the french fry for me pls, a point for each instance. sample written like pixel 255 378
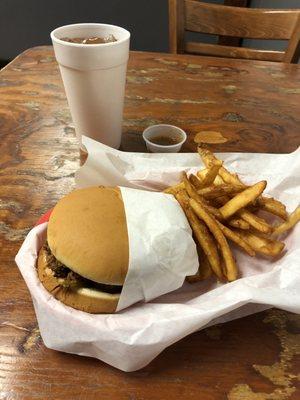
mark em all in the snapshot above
pixel 220 207
pixel 204 270
pixel 234 221
pixel 211 192
pixel 209 158
pixel 202 173
pixel 242 199
pixel 272 206
pixel 292 220
pixel 194 195
pixel 219 201
pixel 238 223
pixel 212 224
pixel 237 239
pixel 174 189
pixel 195 181
pixel 202 235
pixel 233 188
pixel 261 244
pixel 256 222
pixel 218 181
pixel 212 173
pixel 268 204
pixel 230 178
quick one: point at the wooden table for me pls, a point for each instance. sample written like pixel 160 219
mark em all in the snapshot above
pixel 255 105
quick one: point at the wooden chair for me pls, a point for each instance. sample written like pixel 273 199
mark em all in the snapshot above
pixel 254 23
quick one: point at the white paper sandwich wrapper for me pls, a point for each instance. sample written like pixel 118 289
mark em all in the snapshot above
pixel 130 339
pixel 155 222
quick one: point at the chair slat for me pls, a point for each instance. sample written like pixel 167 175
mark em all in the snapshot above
pixel 239 22
pixel 233 52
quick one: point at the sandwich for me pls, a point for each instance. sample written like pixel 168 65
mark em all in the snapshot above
pixel 84 260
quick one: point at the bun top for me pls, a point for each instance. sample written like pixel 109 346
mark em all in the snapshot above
pixel 87 232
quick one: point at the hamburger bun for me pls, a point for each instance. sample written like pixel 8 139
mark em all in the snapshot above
pixel 87 232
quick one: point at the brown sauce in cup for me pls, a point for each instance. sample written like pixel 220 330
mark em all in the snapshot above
pixel 166 139
pixel 90 40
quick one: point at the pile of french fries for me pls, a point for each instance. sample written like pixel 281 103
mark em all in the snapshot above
pixel 221 209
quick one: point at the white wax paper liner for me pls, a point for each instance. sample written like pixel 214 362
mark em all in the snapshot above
pixel 131 338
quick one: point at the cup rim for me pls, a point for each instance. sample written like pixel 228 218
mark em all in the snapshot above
pixel 161 146
pixel 117 42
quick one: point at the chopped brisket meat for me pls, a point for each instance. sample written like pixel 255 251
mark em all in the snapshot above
pixel 68 278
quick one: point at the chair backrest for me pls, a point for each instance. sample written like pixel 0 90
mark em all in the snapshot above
pixel 254 23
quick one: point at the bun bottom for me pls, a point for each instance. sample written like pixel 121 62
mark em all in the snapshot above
pixel 84 299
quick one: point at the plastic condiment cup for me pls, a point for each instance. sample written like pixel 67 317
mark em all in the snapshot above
pixel 167 131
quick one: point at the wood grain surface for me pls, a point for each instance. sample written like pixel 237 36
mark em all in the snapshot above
pixel 255 106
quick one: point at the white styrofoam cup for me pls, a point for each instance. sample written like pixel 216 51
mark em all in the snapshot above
pixel 94 77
